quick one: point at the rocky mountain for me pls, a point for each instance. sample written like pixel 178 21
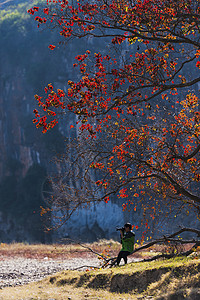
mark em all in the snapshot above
pixel 26 66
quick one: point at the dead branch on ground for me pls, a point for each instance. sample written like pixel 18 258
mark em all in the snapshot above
pixel 170 240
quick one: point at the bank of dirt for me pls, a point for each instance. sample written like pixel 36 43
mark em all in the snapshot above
pixel 178 281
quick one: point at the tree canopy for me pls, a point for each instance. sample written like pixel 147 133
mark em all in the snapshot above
pixel 137 101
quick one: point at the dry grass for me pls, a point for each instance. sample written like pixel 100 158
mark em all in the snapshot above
pixel 45 291
pixel 143 279
pixel 40 251
pixel 183 280
pixel 138 280
pixel 56 251
pixel 66 251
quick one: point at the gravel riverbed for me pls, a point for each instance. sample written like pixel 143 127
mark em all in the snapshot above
pixel 19 271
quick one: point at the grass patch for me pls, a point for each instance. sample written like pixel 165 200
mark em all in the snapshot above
pixel 160 280
pixel 177 278
pixel 109 248
pixel 139 280
pixel 45 290
pixel 56 251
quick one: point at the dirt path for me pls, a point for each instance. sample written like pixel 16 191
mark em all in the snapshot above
pixel 19 271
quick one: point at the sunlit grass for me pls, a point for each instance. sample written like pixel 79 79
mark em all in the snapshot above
pixel 57 250
pixel 175 274
pixel 108 248
pixel 44 291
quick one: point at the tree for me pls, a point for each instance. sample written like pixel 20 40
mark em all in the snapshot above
pixel 138 113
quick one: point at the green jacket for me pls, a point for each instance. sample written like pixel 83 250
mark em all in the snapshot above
pixel 128 241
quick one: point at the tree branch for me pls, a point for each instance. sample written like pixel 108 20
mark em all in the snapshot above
pixel 185 158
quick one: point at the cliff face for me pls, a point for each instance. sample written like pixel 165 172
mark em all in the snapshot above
pixel 25 153
pixel 26 66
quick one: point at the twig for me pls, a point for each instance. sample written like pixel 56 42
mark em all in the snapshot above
pixel 90 249
pixel 81 267
pixel 170 238
pixel 168 256
pixel 107 263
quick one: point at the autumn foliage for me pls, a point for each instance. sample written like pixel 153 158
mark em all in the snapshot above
pixel 143 104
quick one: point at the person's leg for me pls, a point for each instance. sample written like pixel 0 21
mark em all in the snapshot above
pixel 125 258
pixel 119 257
pixel 125 254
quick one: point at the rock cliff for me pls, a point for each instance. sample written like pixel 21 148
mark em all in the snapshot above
pixel 26 66
pixel 25 153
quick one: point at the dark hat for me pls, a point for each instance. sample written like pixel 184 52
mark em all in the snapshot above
pixel 128 225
